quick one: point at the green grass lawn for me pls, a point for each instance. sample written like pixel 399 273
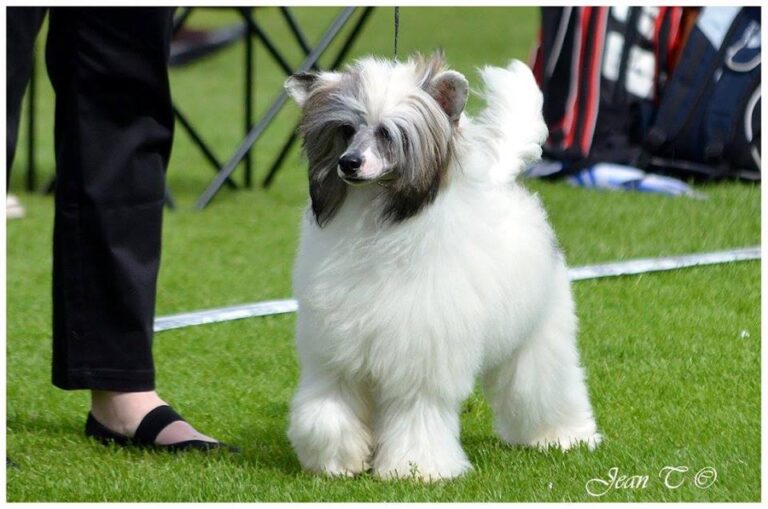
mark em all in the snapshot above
pixel 672 358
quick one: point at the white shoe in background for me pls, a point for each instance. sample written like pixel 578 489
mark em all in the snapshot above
pixel 13 207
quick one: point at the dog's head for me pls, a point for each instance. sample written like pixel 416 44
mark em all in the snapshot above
pixel 379 122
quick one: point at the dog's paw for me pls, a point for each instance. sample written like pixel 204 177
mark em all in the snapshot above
pixel 422 471
pixel 567 438
pixel 348 460
pixel 329 439
pixel 337 465
pixel 339 469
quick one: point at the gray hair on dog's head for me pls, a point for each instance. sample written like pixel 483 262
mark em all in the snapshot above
pixel 379 121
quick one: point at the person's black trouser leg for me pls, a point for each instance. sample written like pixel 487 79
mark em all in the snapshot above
pixel 23 23
pixel 113 131
pixel 113 134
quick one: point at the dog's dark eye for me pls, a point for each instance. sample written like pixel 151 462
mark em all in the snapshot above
pixel 384 134
pixel 347 131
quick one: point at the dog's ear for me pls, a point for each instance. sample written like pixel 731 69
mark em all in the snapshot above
pixel 300 85
pixel 405 200
pixel 327 193
pixel 450 89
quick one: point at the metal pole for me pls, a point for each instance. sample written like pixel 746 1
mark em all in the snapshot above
pixel 198 140
pixel 294 26
pixel 248 103
pixel 271 48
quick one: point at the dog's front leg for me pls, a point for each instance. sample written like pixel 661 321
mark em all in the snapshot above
pixel 329 425
pixel 418 437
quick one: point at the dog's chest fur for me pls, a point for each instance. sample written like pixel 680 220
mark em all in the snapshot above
pixel 443 281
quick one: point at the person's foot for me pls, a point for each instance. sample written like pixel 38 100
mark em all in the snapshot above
pixel 122 412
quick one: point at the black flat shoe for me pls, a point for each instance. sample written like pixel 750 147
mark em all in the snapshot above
pixel 151 426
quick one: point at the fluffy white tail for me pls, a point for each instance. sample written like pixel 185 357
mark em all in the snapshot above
pixel 512 125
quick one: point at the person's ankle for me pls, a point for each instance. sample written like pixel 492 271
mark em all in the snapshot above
pixel 122 412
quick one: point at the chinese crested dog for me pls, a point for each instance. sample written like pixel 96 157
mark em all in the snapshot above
pixel 423 265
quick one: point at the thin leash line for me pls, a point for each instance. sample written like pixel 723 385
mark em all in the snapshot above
pixel 603 270
pixel 397 28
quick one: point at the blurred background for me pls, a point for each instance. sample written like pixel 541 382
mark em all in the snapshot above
pixel 210 93
pixel 672 358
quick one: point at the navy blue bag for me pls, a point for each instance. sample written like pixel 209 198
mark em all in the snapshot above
pixel 708 121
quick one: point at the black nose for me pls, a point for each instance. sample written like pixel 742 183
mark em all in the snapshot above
pixel 350 162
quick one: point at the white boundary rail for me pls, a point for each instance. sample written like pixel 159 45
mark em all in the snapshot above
pixel 626 268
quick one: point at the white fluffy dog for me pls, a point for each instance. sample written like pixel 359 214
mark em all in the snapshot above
pixel 423 265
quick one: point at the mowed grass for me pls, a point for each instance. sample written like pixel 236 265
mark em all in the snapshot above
pixel 672 358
